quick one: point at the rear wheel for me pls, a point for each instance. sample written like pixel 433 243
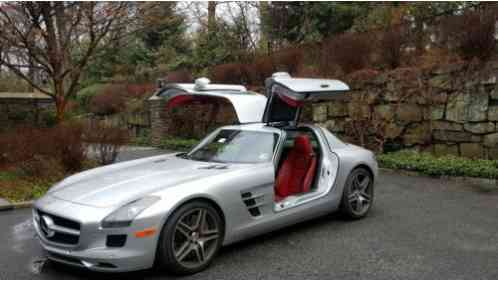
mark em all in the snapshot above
pixel 357 197
pixel 190 239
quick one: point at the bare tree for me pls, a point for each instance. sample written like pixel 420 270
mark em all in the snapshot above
pixel 212 16
pixel 57 39
pixel 245 21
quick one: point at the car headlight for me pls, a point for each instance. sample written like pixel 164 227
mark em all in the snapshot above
pixel 123 216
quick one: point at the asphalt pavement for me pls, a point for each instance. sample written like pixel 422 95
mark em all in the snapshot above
pixel 418 228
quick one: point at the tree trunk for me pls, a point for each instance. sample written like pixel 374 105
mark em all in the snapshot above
pixel 419 37
pixel 264 19
pixel 60 101
pixel 60 106
pixel 1 59
pixel 31 72
pixel 211 18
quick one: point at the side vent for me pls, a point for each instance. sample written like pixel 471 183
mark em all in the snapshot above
pixel 253 202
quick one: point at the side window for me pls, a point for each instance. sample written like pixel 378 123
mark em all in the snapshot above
pixel 333 141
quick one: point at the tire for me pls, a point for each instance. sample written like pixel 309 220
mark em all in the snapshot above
pixel 358 194
pixel 190 239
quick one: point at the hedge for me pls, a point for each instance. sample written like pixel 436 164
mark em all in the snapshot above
pixel 439 166
pixel 178 144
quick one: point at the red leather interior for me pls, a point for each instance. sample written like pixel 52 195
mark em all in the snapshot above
pixel 290 102
pixel 298 169
pixel 178 100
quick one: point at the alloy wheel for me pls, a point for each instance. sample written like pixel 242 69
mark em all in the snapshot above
pixel 360 194
pixel 196 238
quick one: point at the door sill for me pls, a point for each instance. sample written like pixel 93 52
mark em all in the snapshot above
pixel 296 200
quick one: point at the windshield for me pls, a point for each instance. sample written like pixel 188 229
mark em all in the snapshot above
pixel 237 146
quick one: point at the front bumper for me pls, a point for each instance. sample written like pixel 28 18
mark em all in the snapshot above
pixel 92 251
pixel 101 259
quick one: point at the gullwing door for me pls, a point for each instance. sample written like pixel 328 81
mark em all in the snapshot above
pixel 287 95
pixel 249 107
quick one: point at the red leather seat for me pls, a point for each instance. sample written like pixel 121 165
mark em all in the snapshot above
pixel 297 170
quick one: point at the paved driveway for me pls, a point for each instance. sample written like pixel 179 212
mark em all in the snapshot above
pixel 419 228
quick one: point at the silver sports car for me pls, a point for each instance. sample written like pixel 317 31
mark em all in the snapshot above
pixel 176 210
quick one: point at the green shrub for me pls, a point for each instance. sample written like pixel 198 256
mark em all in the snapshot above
pixel 144 139
pixel 8 175
pixel 38 190
pixel 47 118
pixel 86 94
pixel 178 144
pixel 439 166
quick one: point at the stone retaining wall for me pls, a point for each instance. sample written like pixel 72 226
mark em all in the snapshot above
pixel 446 110
pixel 26 111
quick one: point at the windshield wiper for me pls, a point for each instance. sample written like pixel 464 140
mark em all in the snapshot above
pixel 183 155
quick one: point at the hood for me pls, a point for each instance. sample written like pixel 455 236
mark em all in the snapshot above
pixel 120 183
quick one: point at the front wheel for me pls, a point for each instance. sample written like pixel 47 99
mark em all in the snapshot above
pixel 357 197
pixel 190 239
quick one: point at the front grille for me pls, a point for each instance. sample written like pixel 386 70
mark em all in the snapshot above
pixel 66 223
pixel 60 221
pixel 58 229
pixel 64 238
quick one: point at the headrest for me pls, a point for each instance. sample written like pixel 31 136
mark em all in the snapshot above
pixel 302 144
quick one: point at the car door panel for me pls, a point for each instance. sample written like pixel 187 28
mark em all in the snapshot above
pixel 288 95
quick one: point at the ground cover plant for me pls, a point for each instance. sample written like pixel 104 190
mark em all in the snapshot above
pixel 439 166
pixel 178 144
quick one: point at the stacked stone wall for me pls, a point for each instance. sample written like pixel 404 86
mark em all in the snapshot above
pixel 451 109
pixel 445 110
pixel 23 111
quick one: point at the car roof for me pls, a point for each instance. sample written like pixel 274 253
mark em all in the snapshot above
pixel 208 87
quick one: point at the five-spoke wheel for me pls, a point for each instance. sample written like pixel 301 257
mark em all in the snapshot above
pixel 191 238
pixel 196 237
pixel 358 194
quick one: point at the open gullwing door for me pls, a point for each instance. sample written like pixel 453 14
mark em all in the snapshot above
pixel 249 107
pixel 287 95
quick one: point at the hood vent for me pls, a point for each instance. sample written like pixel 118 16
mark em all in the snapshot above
pixel 214 167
